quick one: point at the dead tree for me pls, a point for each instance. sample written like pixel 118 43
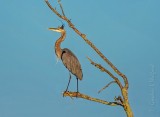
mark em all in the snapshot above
pixel 121 101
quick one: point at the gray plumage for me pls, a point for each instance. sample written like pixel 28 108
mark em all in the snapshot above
pixel 71 62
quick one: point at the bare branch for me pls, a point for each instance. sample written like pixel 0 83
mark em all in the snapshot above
pixel 106 86
pixel 59 1
pixel 108 72
pixel 80 95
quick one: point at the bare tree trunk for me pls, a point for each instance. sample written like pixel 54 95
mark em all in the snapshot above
pixel 126 105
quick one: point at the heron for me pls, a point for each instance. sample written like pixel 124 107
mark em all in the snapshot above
pixel 69 60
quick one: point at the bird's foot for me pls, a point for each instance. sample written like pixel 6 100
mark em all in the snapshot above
pixel 65 92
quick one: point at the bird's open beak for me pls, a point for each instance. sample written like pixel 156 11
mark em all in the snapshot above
pixel 53 29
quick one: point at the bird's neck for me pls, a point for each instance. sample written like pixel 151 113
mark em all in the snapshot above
pixel 58 49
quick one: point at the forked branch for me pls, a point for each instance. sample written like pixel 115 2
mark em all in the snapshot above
pixel 59 1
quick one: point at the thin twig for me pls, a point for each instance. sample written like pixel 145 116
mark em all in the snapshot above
pixel 59 1
pixel 54 10
pixel 80 95
pixel 106 86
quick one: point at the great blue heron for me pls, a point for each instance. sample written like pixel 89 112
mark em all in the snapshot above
pixel 69 60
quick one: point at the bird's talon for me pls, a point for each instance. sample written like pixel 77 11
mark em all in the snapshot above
pixel 65 92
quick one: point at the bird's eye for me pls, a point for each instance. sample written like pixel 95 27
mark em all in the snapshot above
pixel 64 52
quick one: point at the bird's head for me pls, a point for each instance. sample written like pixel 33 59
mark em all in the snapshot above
pixel 59 29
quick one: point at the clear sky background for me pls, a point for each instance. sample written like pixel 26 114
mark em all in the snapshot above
pixel 32 82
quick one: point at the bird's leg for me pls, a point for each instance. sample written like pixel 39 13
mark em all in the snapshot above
pixel 68 82
pixel 77 88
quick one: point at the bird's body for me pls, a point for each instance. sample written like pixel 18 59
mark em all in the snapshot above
pixel 69 60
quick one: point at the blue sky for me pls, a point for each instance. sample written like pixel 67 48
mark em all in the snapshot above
pixel 32 82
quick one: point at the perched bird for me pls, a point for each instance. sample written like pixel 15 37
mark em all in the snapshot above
pixel 69 60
